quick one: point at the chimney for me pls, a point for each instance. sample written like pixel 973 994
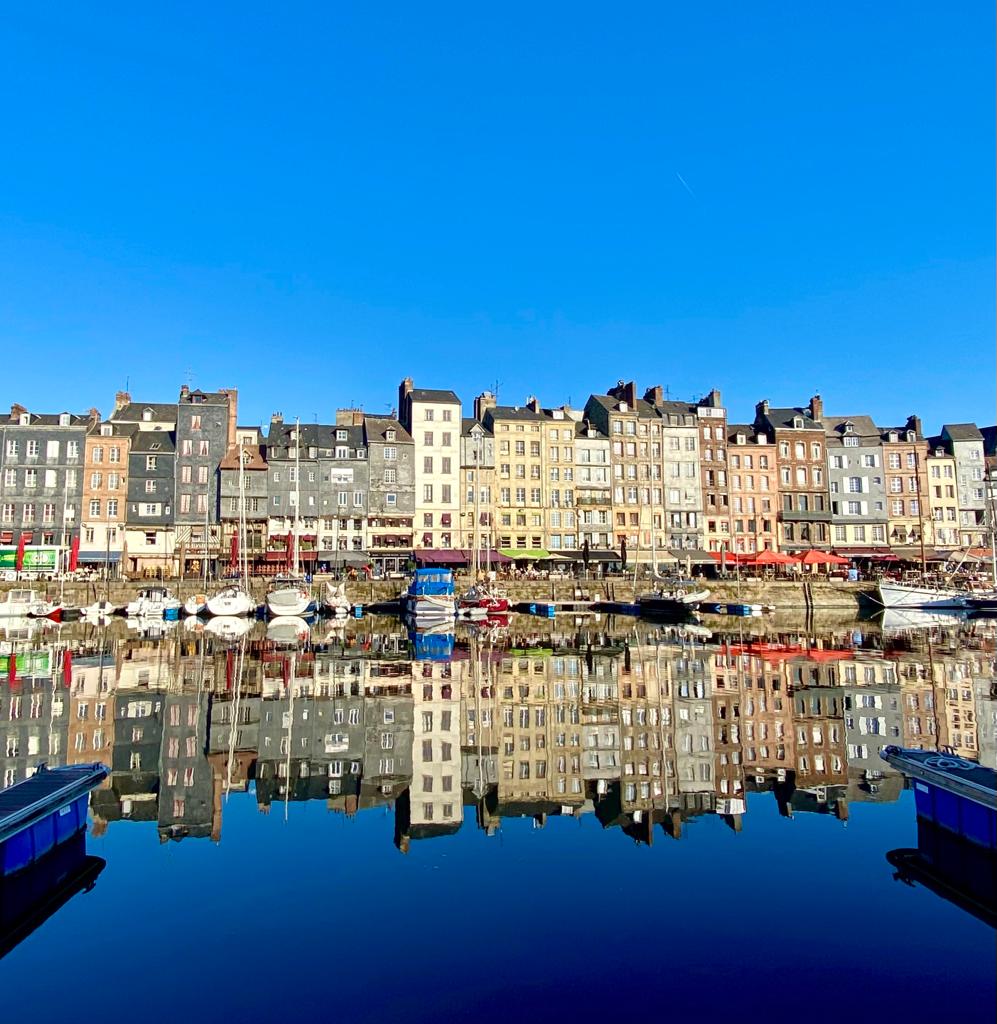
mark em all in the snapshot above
pixel 533 403
pixel 17 411
pixel 914 423
pixel 817 408
pixel 94 415
pixel 233 413
pixel 484 402
pixel 276 418
pixel 712 400
pixel 655 395
pixel 625 393
pixel 404 407
pixel 349 417
pixel 121 399
pixel 762 408
pixel 184 392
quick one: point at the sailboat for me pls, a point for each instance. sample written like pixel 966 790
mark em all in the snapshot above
pixel 196 603
pixel 662 602
pixel 290 595
pixel 480 600
pixel 235 599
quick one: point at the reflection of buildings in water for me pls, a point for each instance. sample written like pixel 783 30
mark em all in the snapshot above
pixel 641 733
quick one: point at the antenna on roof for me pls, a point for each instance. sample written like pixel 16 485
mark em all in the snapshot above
pixel 668 393
pixel 498 384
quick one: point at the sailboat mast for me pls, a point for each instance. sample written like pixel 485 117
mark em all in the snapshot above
pixel 297 497
pixel 242 566
pixel 920 513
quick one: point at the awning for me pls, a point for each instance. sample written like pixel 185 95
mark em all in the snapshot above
pixel 601 555
pixel 695 556
pixel 912 553
pixel 100 556
pixel 440 556
pixel 850 552
pixel 536 554
pixel 344 557
pixel 484 557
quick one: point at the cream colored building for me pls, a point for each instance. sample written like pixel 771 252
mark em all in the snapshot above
pixel 433 418
pixel 942 498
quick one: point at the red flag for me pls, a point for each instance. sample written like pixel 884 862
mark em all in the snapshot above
pixel 74 553
pixel 67 668
pixel 19 556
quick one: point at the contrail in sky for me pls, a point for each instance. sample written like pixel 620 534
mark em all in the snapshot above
pixel 685 184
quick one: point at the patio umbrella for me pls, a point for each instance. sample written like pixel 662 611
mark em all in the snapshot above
pixel 623 552
pixel 19 554
pixel 774 558
pixel 815 557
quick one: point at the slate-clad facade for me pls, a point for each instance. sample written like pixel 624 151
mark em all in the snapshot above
pixel 41 477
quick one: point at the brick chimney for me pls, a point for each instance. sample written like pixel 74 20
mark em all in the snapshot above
pixel 233 413
pixel 484 402
pixel 816 408
pixel 121 399
pixel 533 403
pixel 349 417
pixel 404 406
pixel 655 395
pixel 712 400
pixel 184 392
pixel 762 408
pixel 914 423
pixel 625 392
pixel 94 415
pixel 17 411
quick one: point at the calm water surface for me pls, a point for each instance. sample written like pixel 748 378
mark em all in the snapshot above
pixel 577 821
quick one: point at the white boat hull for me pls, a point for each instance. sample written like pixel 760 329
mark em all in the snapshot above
pixel 904 595
pixel 290 602
pixel 228 627
pixel 288 629
pixel 231 602
pixel 195 604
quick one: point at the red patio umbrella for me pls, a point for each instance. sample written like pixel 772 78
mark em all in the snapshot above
pixel 233 557
pixel 19 555
pixel 774 558
pixel 74 554
pixel 815 557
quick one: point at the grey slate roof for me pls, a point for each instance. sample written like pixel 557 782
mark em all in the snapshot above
pixel 154 442
pixel 962 432
pixel 133 412
pixel 45 419
pixel 512 412
pixel 783 418
pixel 468 422
pixel 643 409
pixel 862 426
pixel 433 395
pixel 375 428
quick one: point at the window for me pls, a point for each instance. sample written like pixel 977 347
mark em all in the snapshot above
pixel 112 508
pixel 151 462
pixel 95 508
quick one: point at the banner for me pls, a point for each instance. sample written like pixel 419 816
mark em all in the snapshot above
pixel 35 559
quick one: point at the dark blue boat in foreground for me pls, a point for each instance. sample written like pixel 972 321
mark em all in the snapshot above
pixel 951 792
pixel 43 812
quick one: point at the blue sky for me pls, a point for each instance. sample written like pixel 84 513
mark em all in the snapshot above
pixel 312 202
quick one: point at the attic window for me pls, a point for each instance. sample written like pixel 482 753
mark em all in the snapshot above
pixel 25 419
pixel 155 447
pixel 361 453
pixel 106 430
pixel 247 457
pixel 741 439
pixel 389 435
pixel 64 419
pixel 849 426
pixel 798 422
pixel 147 415
pixel 623 407
pixel 910 435
pixel 340 435
pixel 894 436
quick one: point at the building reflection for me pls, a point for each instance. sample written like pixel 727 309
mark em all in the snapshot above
pixel 646 728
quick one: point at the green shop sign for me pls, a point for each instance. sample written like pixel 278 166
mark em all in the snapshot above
pixel 35 559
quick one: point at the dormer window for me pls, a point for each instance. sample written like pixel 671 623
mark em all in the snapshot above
pixel 247 457
pixel 25 419
pixel 106 430
pixel 361 453
pixel 312 452
pixel 798 422
pixel 342 452
pixel 742 439
pixel 623 407
pixel 147 415
pixel 911 435
pixel 340 435
pixel 389 435
pixel 64 419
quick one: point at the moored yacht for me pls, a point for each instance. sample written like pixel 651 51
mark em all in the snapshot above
pixel 289 595
pixel 430 597
pixel 153 603
pixel 233 600
pixel 920 595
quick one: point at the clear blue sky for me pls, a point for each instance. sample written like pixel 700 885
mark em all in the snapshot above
pixel 311 201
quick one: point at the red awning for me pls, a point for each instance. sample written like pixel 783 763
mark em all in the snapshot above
pixel 441 556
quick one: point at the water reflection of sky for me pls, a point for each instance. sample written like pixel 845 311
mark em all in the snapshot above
pixel 754 914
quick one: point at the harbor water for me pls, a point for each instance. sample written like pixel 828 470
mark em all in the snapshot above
pixel 568 819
